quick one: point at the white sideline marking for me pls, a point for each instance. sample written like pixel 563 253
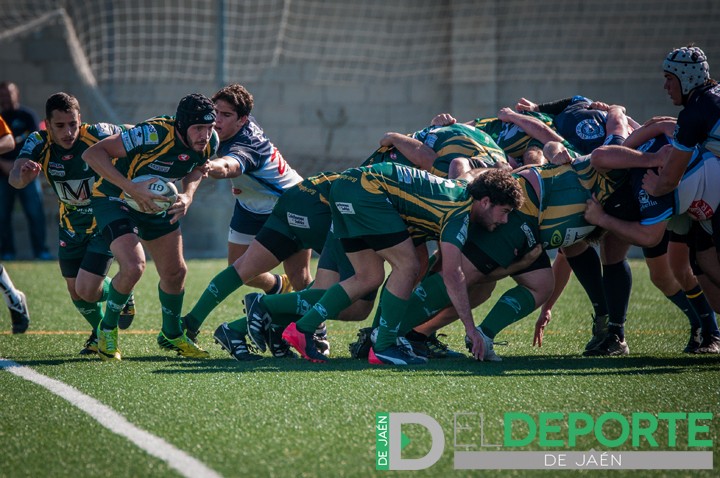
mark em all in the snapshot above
pixel 177 459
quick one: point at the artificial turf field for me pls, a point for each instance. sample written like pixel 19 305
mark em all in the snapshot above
pixel 283 417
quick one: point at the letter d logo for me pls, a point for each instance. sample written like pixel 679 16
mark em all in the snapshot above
pixel 396 461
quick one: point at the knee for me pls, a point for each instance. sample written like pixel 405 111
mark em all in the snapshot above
pixel 86 292
pixel 132 270
pixel 370 278
pixel 176 277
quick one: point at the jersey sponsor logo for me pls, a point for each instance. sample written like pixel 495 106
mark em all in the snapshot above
pixel 295 220
pixel 63 244
pixel 645 200
pixel 105 129
pixel 462 234
pixel 75 192
pixel 159 168
pixel 132 139
pixel 56 165
pixel 430 140
pixel 56 172
pixel 589 129
pixel 528 234
pixel 700 210
pixel 150 134
pixel 575 234
pixel 345 207
pixel 183 157
pixel 67 157
pixel 30 143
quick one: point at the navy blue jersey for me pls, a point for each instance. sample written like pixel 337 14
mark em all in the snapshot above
pixel 265 174
pixel 699 122
pixel 582 127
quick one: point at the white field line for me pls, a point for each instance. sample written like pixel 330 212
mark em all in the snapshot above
pixel 177 459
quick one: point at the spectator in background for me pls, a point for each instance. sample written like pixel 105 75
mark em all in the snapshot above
pixel 22 122
pixel 14 298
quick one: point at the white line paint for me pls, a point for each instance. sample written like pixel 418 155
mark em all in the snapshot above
pixel 177 459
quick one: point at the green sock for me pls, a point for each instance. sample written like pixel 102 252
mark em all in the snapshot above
pixel 221 286
pixel 239 325
pixel 171 305
pixel 294 303
pixel 333 301
pixel 92 311
pixel 394 309
pixel 105 289
pixel 514 304
pixel 115 303
pixel 378 309
pixel 427 299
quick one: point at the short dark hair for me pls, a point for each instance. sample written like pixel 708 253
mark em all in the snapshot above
pixel 61 102
pixel 240 98
pixel 499 186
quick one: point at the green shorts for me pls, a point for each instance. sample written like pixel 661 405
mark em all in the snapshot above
pixel 301 215
pixel 358 212
pixel 110 210
pixel 74 245
pixel 501 247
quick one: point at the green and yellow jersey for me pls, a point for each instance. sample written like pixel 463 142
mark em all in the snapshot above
pixel 153 148
pixel 512 139
pixel 426 203
pixel 70 177
pixel 449 142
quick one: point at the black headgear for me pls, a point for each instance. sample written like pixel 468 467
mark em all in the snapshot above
pixel 193 109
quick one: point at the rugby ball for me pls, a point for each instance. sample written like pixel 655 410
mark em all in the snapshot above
pixel 162 187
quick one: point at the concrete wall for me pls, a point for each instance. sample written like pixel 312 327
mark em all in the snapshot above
pixel 334 126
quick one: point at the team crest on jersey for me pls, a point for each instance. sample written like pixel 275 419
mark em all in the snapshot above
pixel 589 129
pixel 556 239
pixel 183 157
pixel 295 220
pixel 345 207
pixel 150 134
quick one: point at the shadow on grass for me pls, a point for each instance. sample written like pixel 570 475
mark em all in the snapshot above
pixel 511 366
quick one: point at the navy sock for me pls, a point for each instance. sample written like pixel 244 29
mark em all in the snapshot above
pixel 588 271
pixel 702 307
pixel 683 303
pixel 617 280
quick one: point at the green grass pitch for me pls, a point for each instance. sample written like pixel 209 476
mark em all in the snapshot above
pixel 281 417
